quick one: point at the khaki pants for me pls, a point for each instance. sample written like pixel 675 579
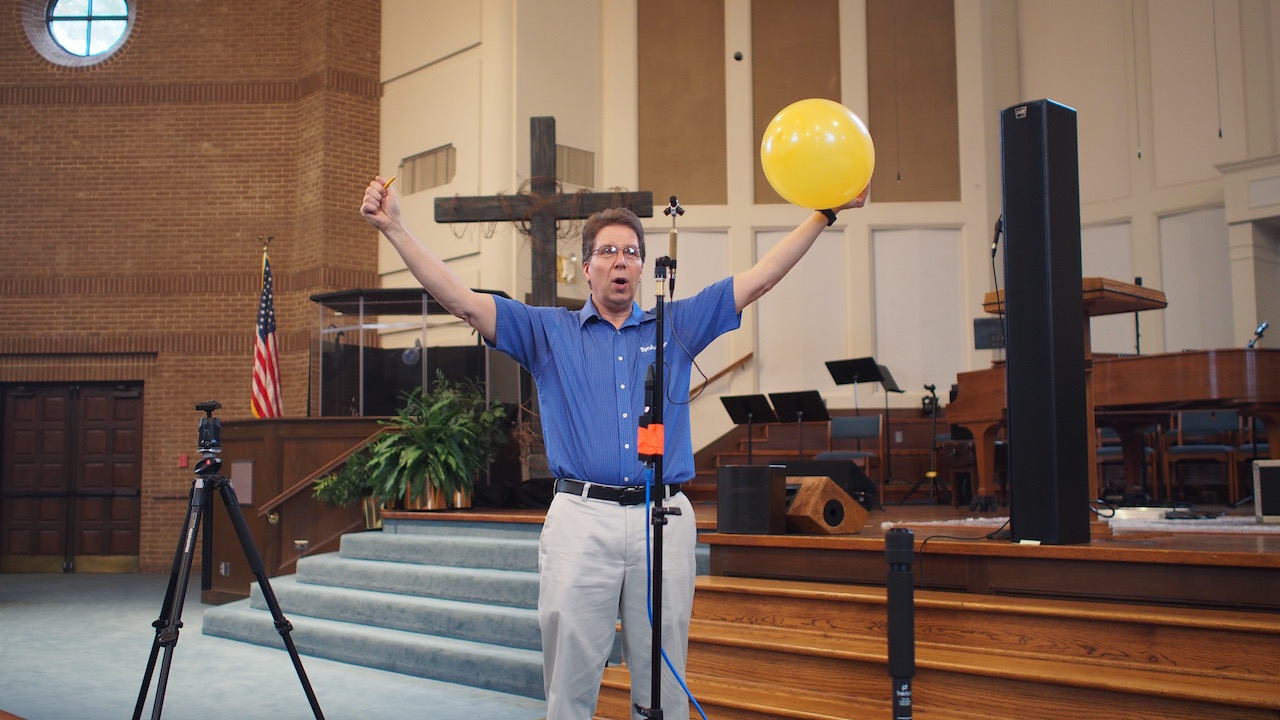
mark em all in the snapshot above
pixel 591 560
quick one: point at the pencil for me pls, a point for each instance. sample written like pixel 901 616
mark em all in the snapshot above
pixel 387 184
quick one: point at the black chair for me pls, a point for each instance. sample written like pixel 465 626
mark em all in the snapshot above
pixel 1110 452
pixel 859 428
pixel 956 462
pixel 1201 436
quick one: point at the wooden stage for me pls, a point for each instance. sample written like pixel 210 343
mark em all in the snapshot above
pixel 1228 571
pixel 1140 626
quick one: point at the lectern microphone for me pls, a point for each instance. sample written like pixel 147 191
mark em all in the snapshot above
pixel 1257 334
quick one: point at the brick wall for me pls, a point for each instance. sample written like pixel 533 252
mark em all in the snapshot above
pixel 134 191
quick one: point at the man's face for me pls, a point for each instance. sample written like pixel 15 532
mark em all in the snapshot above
pixel 614 281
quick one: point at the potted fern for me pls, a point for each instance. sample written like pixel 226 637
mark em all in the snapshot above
pixel 351 483
pixel 436 445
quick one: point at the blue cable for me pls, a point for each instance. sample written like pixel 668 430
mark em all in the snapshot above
pixel 648 591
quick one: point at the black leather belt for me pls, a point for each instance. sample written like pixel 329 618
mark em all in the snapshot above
pixel 623 495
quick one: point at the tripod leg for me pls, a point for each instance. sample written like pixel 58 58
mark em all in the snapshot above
pixel 259 571
pixel 169 623
pixel 916 487
pixel 161 622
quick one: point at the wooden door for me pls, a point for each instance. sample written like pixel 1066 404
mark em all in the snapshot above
pixel 70 484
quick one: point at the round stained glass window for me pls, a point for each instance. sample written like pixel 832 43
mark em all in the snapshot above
pixel 88 28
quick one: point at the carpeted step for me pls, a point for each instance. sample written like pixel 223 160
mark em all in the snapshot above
pixel 505 669
pixel 509 530
pixel 452 550
pixel 511 588
pixel 493 624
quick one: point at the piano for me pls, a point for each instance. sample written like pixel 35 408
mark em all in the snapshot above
pixel 1129 391
pixel 1126 392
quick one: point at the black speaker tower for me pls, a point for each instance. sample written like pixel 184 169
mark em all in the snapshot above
pixel 1047 429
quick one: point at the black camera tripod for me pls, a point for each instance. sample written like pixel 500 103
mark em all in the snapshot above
pixel 169 623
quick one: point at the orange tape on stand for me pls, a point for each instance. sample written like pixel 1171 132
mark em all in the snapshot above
pixel 650 440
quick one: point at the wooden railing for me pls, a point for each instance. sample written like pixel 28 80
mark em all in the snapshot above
pixel 305 484
pixel 740 362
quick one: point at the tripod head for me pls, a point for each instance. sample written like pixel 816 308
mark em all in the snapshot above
pixel 210 439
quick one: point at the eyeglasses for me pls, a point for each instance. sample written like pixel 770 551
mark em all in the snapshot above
pixel 609 252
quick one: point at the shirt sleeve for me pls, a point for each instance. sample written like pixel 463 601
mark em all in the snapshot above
pixel 706 316
pixel 517 331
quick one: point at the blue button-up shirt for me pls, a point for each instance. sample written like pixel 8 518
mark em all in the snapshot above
pixel 590 378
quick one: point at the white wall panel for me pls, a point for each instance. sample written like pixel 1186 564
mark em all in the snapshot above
pixel 1196 90
pixel 803 320
pixel 1073 53
pixel 1106 251
pixel 1197 280
pixel 920 310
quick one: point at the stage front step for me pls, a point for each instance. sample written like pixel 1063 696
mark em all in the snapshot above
pixel 773 649
pixel 450 601
pixel 735 702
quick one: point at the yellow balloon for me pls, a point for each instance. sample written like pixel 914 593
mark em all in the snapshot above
pixel 817 154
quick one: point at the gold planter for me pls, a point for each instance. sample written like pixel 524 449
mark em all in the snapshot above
pixel 460 499
pixel 432 498
pixel 372 513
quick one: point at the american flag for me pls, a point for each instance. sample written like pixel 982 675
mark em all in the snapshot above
pixel 266 360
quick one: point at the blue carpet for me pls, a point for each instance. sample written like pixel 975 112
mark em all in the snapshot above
pixel 449 601
pixel 74 647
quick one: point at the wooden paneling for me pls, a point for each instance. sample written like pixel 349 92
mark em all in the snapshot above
pixel 795 55
pixel 70 488
pixel 911 74
pixel 282 453
pixel 768 649
pixel 681 89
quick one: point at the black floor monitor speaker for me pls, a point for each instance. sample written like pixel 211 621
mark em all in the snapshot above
pixel 1047 429
pixel 847 474
pixel 750 500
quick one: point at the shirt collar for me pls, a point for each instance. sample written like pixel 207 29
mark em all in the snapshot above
pixel 638 316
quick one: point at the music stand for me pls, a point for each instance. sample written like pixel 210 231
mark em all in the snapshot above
pixel 860 370
pixel 746 410
pixel 799 407
pixel 887 382
pixel 854 371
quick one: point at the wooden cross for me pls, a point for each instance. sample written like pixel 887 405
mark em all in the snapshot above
pixel 543 207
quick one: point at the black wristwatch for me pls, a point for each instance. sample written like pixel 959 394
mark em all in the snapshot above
pixel 831 216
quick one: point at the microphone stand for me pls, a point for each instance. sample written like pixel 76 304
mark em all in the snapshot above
pixel 1257 334
pixel 1137 332
pixel 930 477
pixel 651 448
pixel 899 544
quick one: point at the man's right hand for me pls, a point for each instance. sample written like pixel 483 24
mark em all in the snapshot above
pixel 381 207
